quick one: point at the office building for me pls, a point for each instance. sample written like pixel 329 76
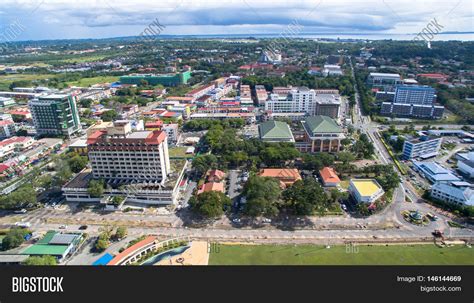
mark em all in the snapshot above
pixel 414 94
pixel 172 132
pixel 173 79
pixel 261 94
pixel 309 101
pixel 322 134
pixel 245 94
pixel 383 81
pixel 461 193
pixel 122 155
pixel 7 128
pixel 423 147
pixel 413 101
pixel 466 163
pixel 365 190
pixel 55 114
pixel 332 70
pixel 434 172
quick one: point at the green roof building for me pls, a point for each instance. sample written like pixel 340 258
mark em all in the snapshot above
pixel 54 244
pixel 275 131
pixel 322 134
pixel 152 79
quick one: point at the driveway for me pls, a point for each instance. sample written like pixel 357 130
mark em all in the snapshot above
pixel 233 184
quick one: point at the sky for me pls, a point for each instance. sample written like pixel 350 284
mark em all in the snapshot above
pixel 77 19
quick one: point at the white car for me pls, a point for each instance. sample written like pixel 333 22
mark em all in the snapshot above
pixel 236 220
pixel 266 220
pixel 62 226
pixel 344 207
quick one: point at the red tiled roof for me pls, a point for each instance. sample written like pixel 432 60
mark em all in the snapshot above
pixel 435 76
pixel 156 137
pixel 286 175
pixel 329 175
pixel 3 167
pixel 212 186
pixel 131 249
pixel 6 122
pixel 215 173
pixel 96 135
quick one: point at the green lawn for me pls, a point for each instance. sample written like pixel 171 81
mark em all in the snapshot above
pixel 82 59
pixel 6 80
pixel 85 82
pixel 338 255
pixel 179 152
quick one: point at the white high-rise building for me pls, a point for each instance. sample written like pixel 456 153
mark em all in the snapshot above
pixel 120 154
pixel 313 102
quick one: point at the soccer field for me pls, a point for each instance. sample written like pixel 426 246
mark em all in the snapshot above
pixel 341 255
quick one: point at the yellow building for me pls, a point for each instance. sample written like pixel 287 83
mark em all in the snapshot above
pixel 365 190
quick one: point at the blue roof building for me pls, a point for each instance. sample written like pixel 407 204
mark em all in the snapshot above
pixel 435 172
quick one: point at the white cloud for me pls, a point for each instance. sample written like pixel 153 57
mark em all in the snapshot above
pixel 125 17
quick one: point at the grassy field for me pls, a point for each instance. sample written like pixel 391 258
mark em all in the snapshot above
pixel 6 80
pixel 179 152
pixel 83 59
pixel 84 82
pixel 340 255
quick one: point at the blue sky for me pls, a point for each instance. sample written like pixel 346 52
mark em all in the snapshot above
pixel 55 19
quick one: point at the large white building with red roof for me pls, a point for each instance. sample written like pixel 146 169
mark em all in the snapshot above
pixel 120 154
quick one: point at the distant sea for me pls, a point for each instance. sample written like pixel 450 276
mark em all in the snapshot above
pixel 464 36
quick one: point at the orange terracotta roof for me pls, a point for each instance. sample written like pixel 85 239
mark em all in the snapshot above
pixel 212 186
pixel 215 173
pixel 286 175
pixel 329 175
pixel 131 249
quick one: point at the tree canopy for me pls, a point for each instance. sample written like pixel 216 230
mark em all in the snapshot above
pixel 210 204
pixel 262 194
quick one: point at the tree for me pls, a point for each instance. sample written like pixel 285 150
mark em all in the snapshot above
pixel 43 260
pixel 96 188
pixel 203 163
pixel 103 240
pixel 86 103
pixel 21 197
pixel 14 238
pixel 101 245
pixel 337 195
pixel 63 171
pixel 262 195
pixel 121 232
pixel 109 115
pixel 363 148
pixel 305 197
pixel 77 162
pixel 210 204
pixel 317 161
pixel 44 181
pixel 345 157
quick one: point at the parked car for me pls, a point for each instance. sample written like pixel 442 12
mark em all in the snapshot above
pixel 21 211
pixel 62 226
pixel 236 220
pixel 266 220
pixel 83 227
pixel 344 207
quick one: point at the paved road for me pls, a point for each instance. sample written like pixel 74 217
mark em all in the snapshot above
pixel 233 183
